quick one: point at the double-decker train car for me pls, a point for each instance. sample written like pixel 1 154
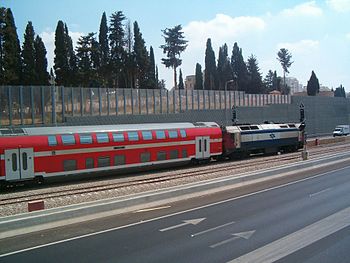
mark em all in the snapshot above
pixel 44 152
pixel 245 139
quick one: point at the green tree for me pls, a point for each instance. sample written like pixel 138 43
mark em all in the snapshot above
pixel 72 74
pixel 181 81
pixel 313 86
pixel 198 85
pixel 210 73
pixel 268 81
pixel 130 64
pixel 41 62
pixel 28 56
pixel 141 58
pixel 61 65
pixel 2 27
pixel 340 92
pixel 224 68
pixel 175 44
pixel 117 44
pixel 284 57
pixel 103 50
pixel 254 76
pixel 152 69
pixel 11 51
pixel 239 68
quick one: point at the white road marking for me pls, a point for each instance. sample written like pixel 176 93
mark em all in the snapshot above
pixel 212 229
pixel 185 222
pixel 299 239
pixel 320 192
pixel 170 215
pixel 246 235
pixel 152 209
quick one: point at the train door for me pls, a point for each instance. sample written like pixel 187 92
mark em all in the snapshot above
pixel 202 147
pixel 19 164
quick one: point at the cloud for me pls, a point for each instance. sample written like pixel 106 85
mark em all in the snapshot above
pixel 222 29
pixel 301 47
pixel 48 38
pixel 306 9
pixel 347 36
pixel 341 6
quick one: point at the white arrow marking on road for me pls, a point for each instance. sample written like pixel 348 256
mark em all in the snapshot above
pixel 246 235
pixel 185 222
pixel 212 229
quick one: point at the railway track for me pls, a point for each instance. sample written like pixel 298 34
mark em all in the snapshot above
pixel 210 171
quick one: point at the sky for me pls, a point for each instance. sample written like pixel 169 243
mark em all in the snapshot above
pixel 316 33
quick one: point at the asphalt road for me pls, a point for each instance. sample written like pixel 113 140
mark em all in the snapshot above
pixel 305 221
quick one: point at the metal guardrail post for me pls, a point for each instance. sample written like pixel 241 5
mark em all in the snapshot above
pixel 32 104
pixel 21 103
pixel 63 104
pixel 167 101
pixel 53 105
pixel 91 102
pixel 72 100
pixel 42 105
pixel 81 102
pixel 108 102
pixel 99 101
pixel 124 101
pixel 10 104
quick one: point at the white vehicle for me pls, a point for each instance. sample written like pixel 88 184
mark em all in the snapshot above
pixel 341 130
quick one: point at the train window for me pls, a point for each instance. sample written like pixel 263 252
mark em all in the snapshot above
pixel 52 140
pixel 24 161
pixel 145 157
pixel 102 137
pixel 103 161
pixel 133 136
pixel 183 133
pixel 85 138
pixel 69 165
pixel 119 159
pixel 147 135
pixel 254 127
pixel 184 153
pixel 14 162
pixel 68 139
pixel 173 134
pixel 89 163
pixel 244 128
pixel 118 137
pixel 291 125
pixel 160 134
pixel 174 154
pixel 283 126
pixel 161 156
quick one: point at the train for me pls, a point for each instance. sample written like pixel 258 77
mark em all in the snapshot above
pixel 41 153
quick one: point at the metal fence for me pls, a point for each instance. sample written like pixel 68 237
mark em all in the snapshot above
pixel 49 105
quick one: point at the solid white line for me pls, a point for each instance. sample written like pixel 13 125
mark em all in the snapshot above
pixel 212 229
pixel 320 192
pixel 152 209
pixel 224 242
pixel 170 215
pixel 299 239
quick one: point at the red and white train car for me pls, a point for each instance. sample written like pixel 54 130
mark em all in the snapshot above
pixel 43 152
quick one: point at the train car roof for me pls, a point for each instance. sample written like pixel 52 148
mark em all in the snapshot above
pixel 269 126
pixel 101 128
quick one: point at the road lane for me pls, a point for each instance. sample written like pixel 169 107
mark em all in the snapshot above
pixel 271 214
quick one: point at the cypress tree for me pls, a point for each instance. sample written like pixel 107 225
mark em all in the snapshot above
pixel 210 73
pixel 141 58
pixel 117 44
pixel 268 81
pixel 61 65
pixel 72 73
pixel 313 86
pixel 175 43
pixel 152 69
pixel 28 56
pixel 12 64
pixel 181 81
pixel 130 66
pixel 239 68
pixel 40 62
pixel 198 85
pixel 103 50
pixel 224 68
pixel 2 27
pixel 340 92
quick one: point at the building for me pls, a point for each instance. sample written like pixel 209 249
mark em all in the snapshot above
pixel 294 84
pixel 190 81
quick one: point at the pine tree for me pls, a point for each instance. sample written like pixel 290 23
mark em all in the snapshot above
pixel 61 64
pixel 198 78
pixel 239 68
pixel 41 62
pixel 224 68
pixel 181 81
pixel 141 58
pixel 268 81
pixel 255 79
pixel 117 44
pixel 28 56
pixel 11 51
pixel 72 74
pixel 175 43
pixel 103 50
pixel 313 86
pixel 210 73
pixel 130 65
pixel 284 57
pixel 340 92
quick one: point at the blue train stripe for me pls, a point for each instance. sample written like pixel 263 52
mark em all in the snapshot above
pixel 268 131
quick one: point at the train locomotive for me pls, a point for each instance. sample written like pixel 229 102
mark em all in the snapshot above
pixel 39 153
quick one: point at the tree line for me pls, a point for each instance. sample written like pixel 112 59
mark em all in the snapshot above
pixel 117 57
